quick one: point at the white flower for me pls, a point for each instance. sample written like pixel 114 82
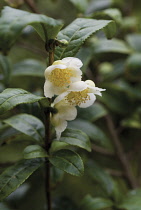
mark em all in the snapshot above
pixel 80 94
pixel 60 75
pixel 59 120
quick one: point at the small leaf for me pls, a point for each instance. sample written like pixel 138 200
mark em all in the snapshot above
pixel 68 161
pixel 90 203
pixel 28 125
pixel 29 67
pixel 81 5
pixel 76 138
pixel 34 151
pixel 134 40
pixel 85 54
pixel 6 68
pixel 98 5
pixel 97 174
pixel 12 97
pixel 133 66
pixel 119 100
pixel 11 26
pixel 78 32
pixel 58 145
pixel 114 46
pixel 134 121
pixel 131 201
pixel 94 132
pixel 112 13
pixel 15 175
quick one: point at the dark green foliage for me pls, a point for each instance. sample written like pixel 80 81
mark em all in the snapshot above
pixel 87 148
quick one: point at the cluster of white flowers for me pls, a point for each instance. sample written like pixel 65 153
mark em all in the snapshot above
pixel 63 78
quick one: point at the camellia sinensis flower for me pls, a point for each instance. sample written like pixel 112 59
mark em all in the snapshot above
pixel 60 75
pixel 80 94
pixel 65 112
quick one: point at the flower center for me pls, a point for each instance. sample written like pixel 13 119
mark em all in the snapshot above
pixel 78 97
pixel 60 77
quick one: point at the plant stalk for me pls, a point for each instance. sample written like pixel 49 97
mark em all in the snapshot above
pixel 47 145
pixel 121 154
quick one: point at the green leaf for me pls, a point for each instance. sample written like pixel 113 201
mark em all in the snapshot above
pixel 116 99
pixel 56 175
pixel 34 151
pixel 6 133
pixel 3 206
pixel 68 161
pixel 94 132
pixel 134 121
pixel 76 138
pixel 98 175
pixel 133 66
pixel 111 71
pixel 29 67
pixel 12 152
pixel 12 97
pixel 15 175
pixel 90 203
pixel 11 26
pixel 130 23
pixel 111 46
pixel 92 113
pixel 85 54
pixel 28 125
pixel 81 5
pixel 112 13
pixel 58 145
pixel 97 5
pixel 132 201
pixel 78 32
pixel 134 40
pixel 134 91
pixel 6 68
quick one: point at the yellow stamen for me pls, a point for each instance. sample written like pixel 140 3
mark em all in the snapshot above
pixel 61 77
pixel 78 97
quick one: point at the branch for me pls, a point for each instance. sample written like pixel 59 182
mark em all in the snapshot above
pixel 48 141
pixel 101 150
pixel 120 153
pixel 114 172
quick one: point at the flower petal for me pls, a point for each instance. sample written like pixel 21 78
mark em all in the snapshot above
pixel 67 112
pixel 77 86
pixel 88 102
pixel 71 61
pixel 60 97
pixel 90 83
pixel 60 128
pixel 48 89
pixel 97 90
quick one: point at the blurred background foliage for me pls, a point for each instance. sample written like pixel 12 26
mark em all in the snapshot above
pixel 113 123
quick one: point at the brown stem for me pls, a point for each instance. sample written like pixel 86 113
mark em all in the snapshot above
pixel 51 57
pixel 120 153
pixel 31 5
pixel 101 150
pixel 48 144
pixel 114 172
